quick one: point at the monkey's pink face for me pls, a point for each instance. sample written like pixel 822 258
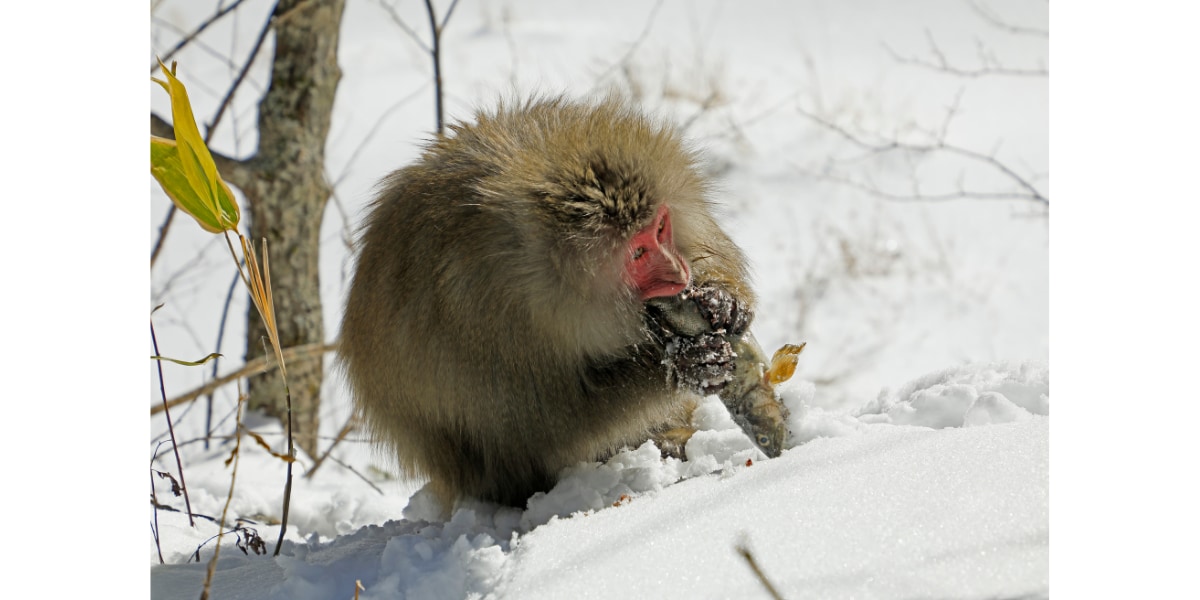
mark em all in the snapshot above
pixel 653 265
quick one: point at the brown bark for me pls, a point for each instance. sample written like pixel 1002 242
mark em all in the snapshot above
pixel 287 197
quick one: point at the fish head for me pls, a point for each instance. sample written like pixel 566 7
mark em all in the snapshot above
pixel 764 418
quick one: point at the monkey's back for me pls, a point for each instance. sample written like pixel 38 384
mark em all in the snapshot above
pixel 470 354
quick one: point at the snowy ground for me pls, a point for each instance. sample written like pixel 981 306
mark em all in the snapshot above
pixel 921 401
pixel 865 508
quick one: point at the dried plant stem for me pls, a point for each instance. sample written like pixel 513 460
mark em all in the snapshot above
pixel 259 282
pixel 171 428
pixel 154 501
pixel 287 486
pixel 762 577
pixel 237 446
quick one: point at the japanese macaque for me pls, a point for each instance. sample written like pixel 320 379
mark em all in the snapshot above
pixel 516 291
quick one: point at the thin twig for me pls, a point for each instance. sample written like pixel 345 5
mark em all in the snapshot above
pixel 213 52
pixel 350 425
pixel 412 34
pixel 237 82
pixel 449 11
pixel 189 37
pixel 362 144
pixel 208 408
pixel 287 486
pixel 941 64
pixel 154 529
pixel 636 43
pixel 758 572
pixel 436 53
pixel 986 14
pixel 171 427
pixel 162 234
pixel 873 190
pixel 1031 191
pixel 237 455
pixel 355 471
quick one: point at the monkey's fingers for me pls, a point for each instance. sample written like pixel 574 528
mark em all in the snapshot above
pixel 722 310
pixel 703 364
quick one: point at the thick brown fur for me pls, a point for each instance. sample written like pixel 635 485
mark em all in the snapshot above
pixel 489 340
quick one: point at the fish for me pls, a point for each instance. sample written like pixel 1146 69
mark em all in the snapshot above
pixel 750 394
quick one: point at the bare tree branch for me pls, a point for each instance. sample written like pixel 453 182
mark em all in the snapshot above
pixel 990 66
pixel 436 53
pixel 434 49
pixel 350 425
pixel 217 54
pixel 241 76
pixel 162 231
pixel 166 58
pixel 171 427
pixel 412 34
pixel 939 144
pixel 636 43
pixel 992 19
pixel 355 471
pixel 362 144
pixel 449 11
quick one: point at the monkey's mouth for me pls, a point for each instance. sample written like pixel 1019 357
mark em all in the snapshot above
pixel 669 280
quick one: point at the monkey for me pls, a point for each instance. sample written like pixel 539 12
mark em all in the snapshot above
pixel 514 290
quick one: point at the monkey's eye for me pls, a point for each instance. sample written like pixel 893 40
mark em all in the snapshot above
pixel 639 252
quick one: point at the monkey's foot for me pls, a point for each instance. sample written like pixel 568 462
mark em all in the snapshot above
pixel 671 443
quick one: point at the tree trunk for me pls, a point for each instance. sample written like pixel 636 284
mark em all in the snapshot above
pixel 287 196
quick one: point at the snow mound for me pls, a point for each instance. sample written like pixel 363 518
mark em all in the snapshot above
pixel 966 396
pixel 912 511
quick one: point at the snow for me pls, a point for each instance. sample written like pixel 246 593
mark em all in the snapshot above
pixel 919 464
pixel 872 509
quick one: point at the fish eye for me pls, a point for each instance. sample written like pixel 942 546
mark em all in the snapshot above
pixel 763 440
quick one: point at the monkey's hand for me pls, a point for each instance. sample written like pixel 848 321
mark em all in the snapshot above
pixel 702 309
pixel 702 364
pixel 698 326
pixel 720 309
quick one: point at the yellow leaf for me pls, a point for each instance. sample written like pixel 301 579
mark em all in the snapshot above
pixel 264 444
pixel 188 363
pixel 166 167
pixel 210 200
